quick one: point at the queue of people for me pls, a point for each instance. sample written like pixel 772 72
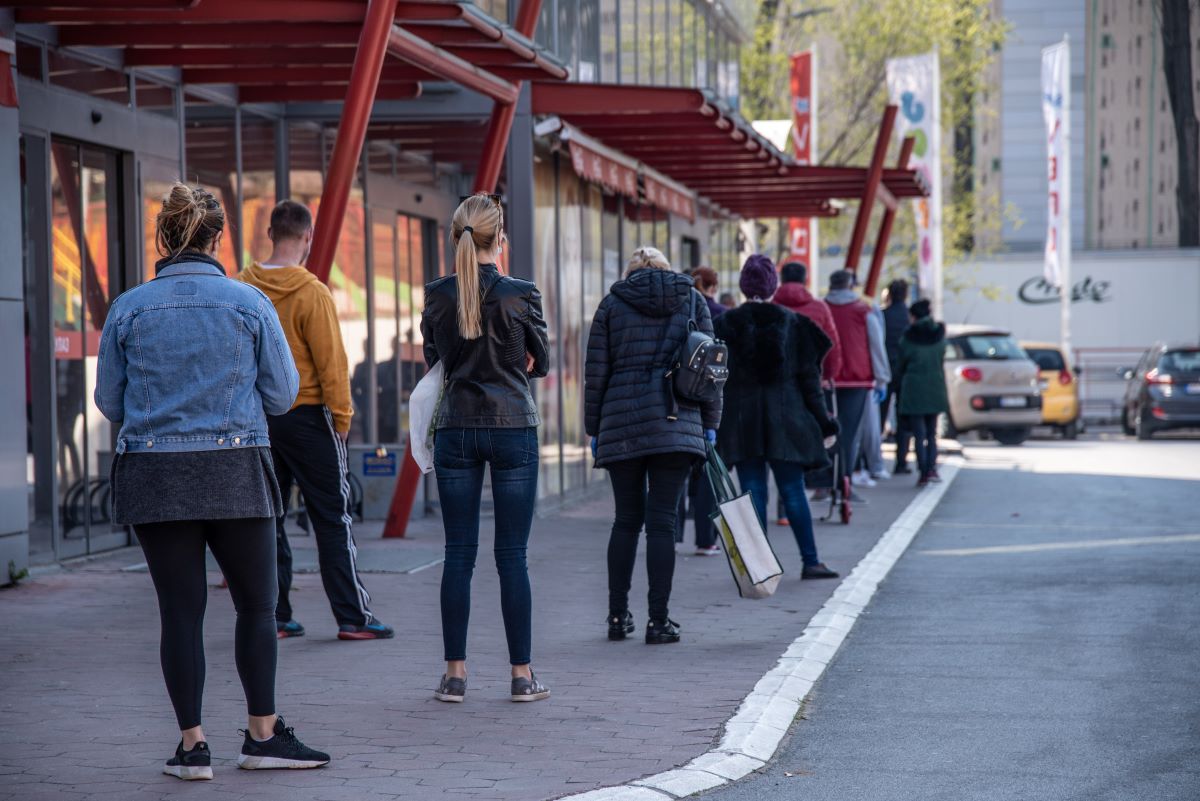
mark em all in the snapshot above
pixel 229 391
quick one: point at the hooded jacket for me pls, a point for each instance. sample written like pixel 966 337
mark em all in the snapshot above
pixel 774 407
pixel 860 330
pixel 919 369
pixel 796 297
pixel 310 323
pixel 635 337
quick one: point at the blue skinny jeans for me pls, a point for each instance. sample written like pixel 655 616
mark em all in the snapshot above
pixel 789 478
pixel 459 457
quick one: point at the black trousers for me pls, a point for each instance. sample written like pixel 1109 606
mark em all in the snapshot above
pixel 245 550
pixel 308 451
pixel 699 496
pixel 903 432
pixel 646 491
pixel 924 428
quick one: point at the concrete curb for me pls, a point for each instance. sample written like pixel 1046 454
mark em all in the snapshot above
pixel 753 734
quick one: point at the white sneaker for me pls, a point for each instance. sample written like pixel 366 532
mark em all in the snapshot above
pixel 861 479
pixel 882 475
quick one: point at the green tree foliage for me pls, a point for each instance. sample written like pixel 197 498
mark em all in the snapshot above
pixel 854 40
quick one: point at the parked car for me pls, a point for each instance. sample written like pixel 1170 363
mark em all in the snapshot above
pixel 1163 391
pixel 1059 385
pixel 992 384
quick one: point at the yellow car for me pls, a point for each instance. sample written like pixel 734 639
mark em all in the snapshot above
pixel 1060 387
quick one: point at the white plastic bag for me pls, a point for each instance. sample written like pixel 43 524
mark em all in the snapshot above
pixel 422 408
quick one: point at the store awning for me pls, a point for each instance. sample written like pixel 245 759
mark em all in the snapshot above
pixel 300 50
pixel 694 139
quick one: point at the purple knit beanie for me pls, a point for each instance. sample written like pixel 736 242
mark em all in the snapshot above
pixel 759 279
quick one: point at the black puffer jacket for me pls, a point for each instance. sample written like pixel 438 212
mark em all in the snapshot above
pixel 487 386
pixel 636 335
pixel 774 407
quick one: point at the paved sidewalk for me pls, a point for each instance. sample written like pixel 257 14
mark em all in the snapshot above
pixel 86 715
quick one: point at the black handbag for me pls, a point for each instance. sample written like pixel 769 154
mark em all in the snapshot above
pixel 700 369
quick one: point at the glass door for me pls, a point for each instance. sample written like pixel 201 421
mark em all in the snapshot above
pixel 87 270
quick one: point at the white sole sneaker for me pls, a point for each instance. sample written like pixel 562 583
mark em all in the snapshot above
pixel 189 774
pixel 520 699
pixel 277 763
pixel 450 699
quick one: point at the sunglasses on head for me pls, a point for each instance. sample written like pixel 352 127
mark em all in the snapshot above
pixel 498 200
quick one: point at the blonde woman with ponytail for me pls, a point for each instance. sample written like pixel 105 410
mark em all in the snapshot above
pixel 190 364
pixel 488 331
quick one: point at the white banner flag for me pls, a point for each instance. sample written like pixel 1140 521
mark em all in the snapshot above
pixel 1056 94
pixel 914 85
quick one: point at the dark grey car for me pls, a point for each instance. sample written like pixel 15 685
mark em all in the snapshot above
pixel 1163 391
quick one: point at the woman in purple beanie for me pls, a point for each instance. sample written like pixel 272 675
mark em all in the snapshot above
pixel 774 413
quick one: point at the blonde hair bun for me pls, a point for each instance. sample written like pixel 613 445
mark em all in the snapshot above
pixel 647 258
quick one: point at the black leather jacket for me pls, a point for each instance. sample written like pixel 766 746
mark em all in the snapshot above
pixel 486 382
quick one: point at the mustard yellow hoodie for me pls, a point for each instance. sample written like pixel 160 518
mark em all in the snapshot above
pixel 310 323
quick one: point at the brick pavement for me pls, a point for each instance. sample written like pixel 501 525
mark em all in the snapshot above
pixel 86 717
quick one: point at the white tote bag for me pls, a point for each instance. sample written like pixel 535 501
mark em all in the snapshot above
pixel 422 408
pixel 755 568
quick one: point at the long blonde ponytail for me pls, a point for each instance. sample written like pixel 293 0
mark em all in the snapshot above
pixel 478 217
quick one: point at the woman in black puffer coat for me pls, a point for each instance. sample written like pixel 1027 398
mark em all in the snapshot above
pixel 636 335
pixel 774 409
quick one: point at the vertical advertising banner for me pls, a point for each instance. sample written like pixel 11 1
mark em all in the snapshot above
pixel 914 85
pixel 802 231
pixel 1055 102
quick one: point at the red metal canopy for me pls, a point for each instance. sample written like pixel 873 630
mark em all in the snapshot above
pixel 301 50
pixel 689 136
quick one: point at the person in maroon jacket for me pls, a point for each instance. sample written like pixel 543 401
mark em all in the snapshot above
pixel 861 335
pixel 793 294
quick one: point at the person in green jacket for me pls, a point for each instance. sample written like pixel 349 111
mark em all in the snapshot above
pixel 923 386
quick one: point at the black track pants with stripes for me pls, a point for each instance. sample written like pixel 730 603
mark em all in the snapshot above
pixel 308 451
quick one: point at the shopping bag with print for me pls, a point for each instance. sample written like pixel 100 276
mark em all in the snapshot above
pixel 752 560
pixel 422 408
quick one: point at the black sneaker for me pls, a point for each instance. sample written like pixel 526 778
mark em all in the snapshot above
pixel 284 750
pixel 529 689
pixel 288 628
pixel 660 632
pixel 901 470
pixel 620 624
pixel 194 765
pixel 373 630
pixel 451 689
pixel 817 571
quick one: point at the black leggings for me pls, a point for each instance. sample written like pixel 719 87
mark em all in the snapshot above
pixel 245 550
pixel 647 491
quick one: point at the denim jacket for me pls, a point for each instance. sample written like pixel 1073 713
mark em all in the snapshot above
pixel 193 361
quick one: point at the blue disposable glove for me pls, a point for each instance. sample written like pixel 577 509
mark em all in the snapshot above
pixel 878 394
pixel 710 434
pixel 594 446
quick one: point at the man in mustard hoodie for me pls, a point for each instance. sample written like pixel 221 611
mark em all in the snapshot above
pixel 309 442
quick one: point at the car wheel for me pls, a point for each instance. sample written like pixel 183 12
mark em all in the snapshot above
pixel 1010 436
pixel 1127 426
pixel 1145 430
pixel 946 427
pixel 1071 430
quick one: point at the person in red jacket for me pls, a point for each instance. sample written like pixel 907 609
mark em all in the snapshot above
pixel 861 335
pixel 793 295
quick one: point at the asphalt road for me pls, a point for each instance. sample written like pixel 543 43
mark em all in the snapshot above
pixel 1039 641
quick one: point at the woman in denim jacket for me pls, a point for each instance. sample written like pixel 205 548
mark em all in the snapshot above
pixel 189 365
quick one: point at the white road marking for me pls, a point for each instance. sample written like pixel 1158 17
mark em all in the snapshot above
pixel 1116 542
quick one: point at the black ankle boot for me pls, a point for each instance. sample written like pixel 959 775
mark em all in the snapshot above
pixel 660 632
pixel 620 624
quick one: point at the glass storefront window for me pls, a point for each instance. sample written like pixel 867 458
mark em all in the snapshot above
pixel 589 41
pixel 258 185
pixel 386 328
pixel 630 49
pixel 570 345
pixel 545 274
pixel 687 38
pixel 212 164
pixel 609 37
pixel 157 178
pixel 29 60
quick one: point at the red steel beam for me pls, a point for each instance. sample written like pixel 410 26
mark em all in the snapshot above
pixel 495 142
pixel 874 175
pixel 885 226
pixel 216 34
pixel 324 93
pixel 392 73
pixel 413 49
pixel 352 130
pixel 207 11
pixel 237 56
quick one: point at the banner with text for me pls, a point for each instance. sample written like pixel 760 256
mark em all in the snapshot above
pixel 915 86
pixel 802 231
pixel 1056 94
pixel 593 166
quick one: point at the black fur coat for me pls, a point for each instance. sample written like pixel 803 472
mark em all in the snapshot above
pixel 774 407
